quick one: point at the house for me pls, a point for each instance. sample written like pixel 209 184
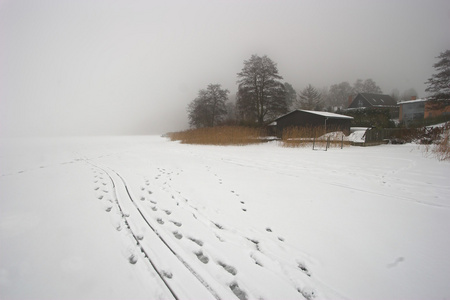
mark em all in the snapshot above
pixel 309 118
pixel 411 110
pixel 419 109
pixel 374 101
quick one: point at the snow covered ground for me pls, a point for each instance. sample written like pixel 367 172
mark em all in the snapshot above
pixel 146 218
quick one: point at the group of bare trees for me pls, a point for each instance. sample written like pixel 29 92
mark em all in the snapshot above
pixel 262 95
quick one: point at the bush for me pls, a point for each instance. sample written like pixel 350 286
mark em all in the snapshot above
pixel 441 149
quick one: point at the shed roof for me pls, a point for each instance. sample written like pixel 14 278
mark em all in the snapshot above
pixel 320 113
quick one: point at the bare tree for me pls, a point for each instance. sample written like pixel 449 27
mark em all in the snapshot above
pixel 366 86
pixel 261 94
pixel 339 94
pixel 208 109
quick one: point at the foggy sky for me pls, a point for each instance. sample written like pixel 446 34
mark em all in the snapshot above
pixel 91 67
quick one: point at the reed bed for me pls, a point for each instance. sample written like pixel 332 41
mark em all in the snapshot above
pixel 223 135
pixel 296 137
pixel 442 147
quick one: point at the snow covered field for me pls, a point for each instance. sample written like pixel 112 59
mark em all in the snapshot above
pixel 146 218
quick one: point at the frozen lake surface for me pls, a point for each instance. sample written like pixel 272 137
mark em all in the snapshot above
pixel 146 218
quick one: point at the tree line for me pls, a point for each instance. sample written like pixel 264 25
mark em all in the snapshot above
pixel 263 96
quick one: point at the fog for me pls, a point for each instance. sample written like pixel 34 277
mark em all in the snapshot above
pixel 131 67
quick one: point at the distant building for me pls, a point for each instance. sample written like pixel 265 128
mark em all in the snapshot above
pixel 419 109
pixel 411 110
pixel 374 101
pixel 309 118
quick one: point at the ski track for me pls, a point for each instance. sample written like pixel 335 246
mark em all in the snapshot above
pixel 188 250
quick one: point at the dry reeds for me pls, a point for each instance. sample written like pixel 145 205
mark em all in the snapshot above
pixel 316 137
pixel 442 149
pixel 223 135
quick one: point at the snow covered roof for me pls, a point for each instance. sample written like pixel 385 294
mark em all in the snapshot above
pixel 413 101
pixel 327 114
pixel 320 113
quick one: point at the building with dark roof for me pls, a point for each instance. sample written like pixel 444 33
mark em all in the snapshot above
pixel 375 101
pixel 309 118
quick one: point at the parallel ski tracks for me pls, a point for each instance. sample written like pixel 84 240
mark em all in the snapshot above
pixel 153 229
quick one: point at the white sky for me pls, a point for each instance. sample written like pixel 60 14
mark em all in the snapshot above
pixel 91 67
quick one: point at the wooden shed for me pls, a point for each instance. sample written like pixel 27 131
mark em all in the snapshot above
pixel 309 118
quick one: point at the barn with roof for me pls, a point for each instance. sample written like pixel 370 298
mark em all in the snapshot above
pixel 374 101
pixel 309 118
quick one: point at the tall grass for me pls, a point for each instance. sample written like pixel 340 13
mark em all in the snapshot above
pixel 222 135
pixel 442 148
pixel 307 136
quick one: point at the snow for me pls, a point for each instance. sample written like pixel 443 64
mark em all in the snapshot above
pixel 412 101
pixel 327 114
pixel 143 217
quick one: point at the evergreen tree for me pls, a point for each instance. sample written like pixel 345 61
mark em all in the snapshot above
pixel 309 99
pixel 439 83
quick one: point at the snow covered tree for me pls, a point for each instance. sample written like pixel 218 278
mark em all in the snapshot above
pixel 309 98
pixel 439 83
pixel 261 95
pixel 208 109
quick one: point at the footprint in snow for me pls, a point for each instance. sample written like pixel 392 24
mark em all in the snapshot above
pixel 237 291
pixel 177 235
pixel 218 225
pixel 198 242
pixel 307 292
pixel 160 221
pixel 304 269
pixel 154 208
pixel 228 268
pixel 168 212
pixel 178 224
pixel 167 274
pixel 201 257
pixel 132 259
